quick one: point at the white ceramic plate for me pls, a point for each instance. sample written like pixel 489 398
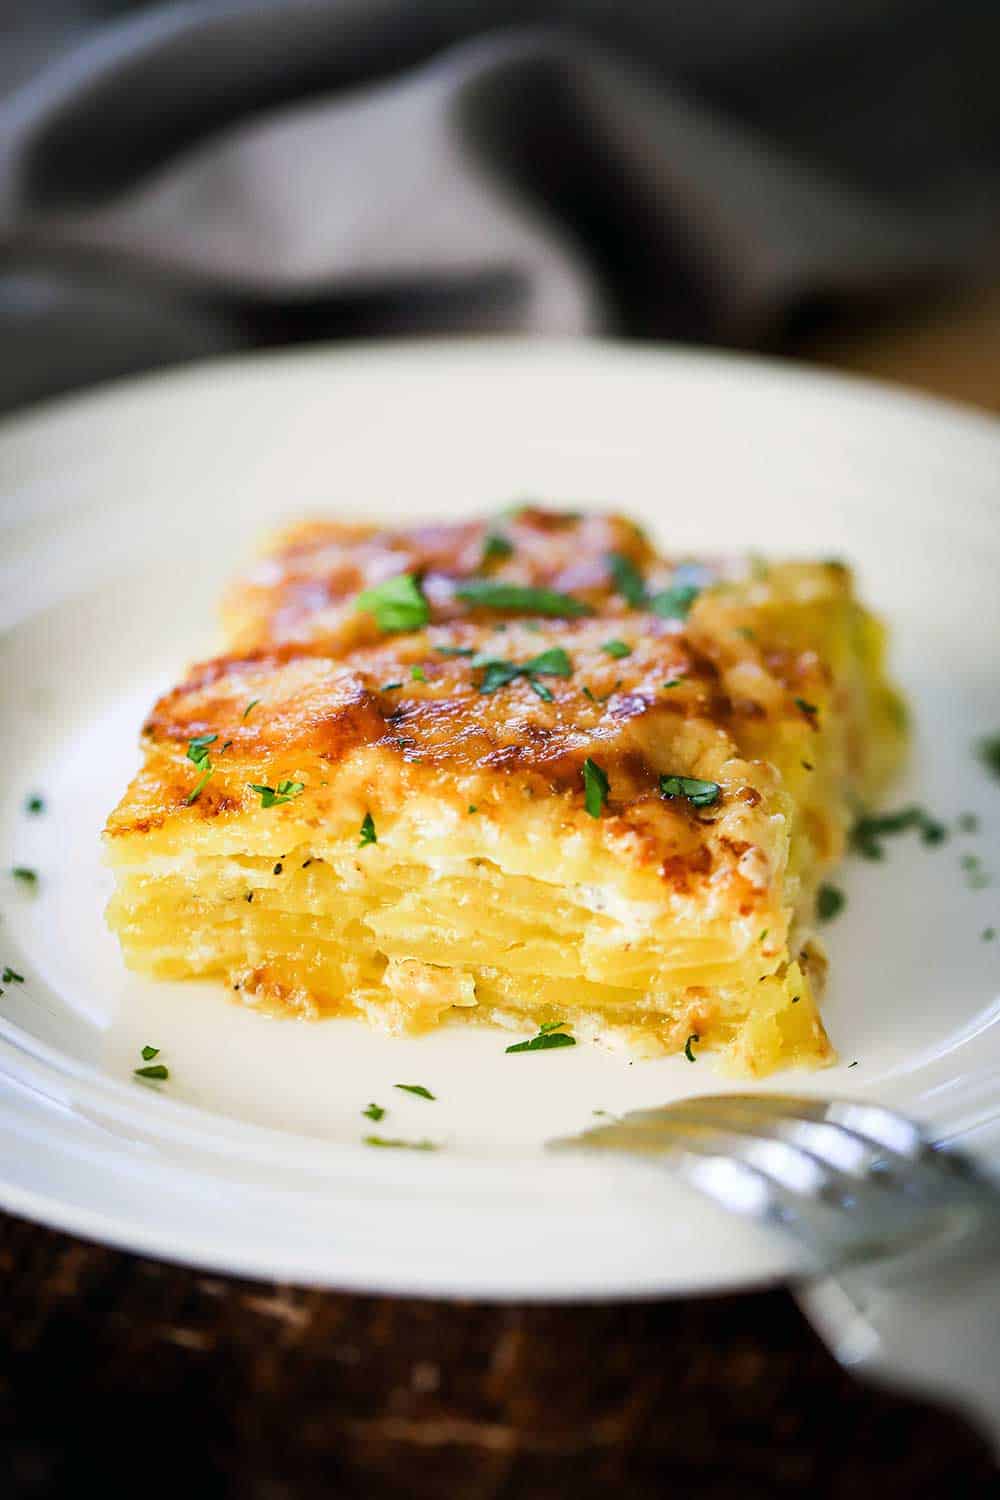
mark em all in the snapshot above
pixel 125 511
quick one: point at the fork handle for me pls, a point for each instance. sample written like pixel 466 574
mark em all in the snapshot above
pixel 936 1330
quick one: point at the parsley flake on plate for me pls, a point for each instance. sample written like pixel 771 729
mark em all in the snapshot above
pixel 595 787
pixel 397 1145
pixel 869 831
pixel 694 1037
pixel 374 1112
pixel 148 1053
pixel 156 1071
pixel 285 791
pixel 698 793
pixel 415 1088
pixel 25 875
pixel 616 649
pixel 830 901
pixel 249 708
pixel 34 804
pixel 11 976
pixel 549 1036
pixel 398 604
pixel 368 834
pixel 988 751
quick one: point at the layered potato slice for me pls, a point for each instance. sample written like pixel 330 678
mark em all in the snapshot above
pixel 520 771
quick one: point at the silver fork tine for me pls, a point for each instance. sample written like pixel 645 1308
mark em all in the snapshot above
pixel 862 1140
pixel 816 1176
pixel 814 1167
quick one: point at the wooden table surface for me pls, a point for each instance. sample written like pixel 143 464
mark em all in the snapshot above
pixel 134 1376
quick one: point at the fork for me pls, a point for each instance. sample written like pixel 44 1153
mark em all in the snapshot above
pixel 902 1236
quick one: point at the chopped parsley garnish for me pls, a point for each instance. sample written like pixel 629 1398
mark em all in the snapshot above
pixel 157 1071
pixel 627 579
pixel 764 934
pixel 988 750
pixel 197 753
pixel 675 603
pixel 148 1053
pixel 988 934
pixel 381 1140
pixel 520 598
pixel 248 897
pixel 541 691
pixel 225 746
pixel 698 793
pixel 374 1112
pixel 498 672
pixel 496 546
pixel 868 832
pixel 616 649
pixel 368 834
pixel 271 796
pixel 549 1036
pixel 11 976
pixel 554 662
pixel 673 682
pixel 830 901
pixel 455 650
pixel 472 807
pixel 415 1088
pixel 24 875
pixel 595 787
pixel 278 868
pixel 250 707
pixel 397 604
pixel 418 674
pixel 670 604
pixel 975 876
pixel 197 749
pixel 694 1037
pixel 807 708
pixel 35 804
pixel 390 687
pixel 201 783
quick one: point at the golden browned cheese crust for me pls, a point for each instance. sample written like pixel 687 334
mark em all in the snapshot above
pixel 765 681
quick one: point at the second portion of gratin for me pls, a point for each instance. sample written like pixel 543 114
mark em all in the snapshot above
pixel 523 770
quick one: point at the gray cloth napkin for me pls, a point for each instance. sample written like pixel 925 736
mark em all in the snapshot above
pixel 200 177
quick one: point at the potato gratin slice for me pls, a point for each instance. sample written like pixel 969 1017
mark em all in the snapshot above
pixel 520 771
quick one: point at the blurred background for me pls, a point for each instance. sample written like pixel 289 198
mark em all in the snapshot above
pixel 180 180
